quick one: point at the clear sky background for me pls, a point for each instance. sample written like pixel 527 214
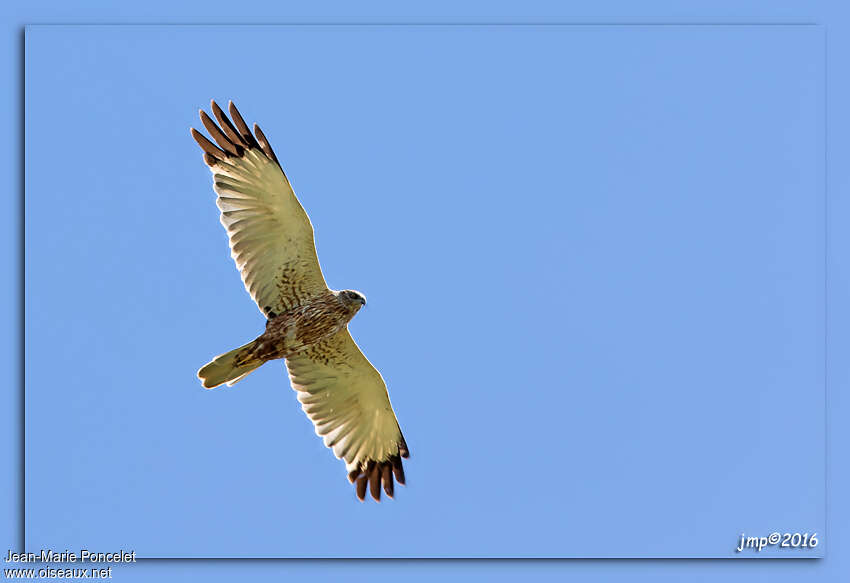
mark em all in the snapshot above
pixel 594 258
pixel 831 14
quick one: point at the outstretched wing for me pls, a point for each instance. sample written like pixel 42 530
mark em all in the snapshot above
pixel 347 401
pixel 271 238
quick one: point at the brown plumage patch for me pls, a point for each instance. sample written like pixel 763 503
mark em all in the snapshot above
pixel 302 327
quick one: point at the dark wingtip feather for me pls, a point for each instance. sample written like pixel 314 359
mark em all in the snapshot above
pixel 231 138
pixel 223 141
pixel 387 478
pixel 264 144
pixel 232 133
pixel 361 488
pixel 241 125
pixel 398 469
pixel 207 146
pixel 375 481
pixel 376 475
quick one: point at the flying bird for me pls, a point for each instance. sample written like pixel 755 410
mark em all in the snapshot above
pixel 271 241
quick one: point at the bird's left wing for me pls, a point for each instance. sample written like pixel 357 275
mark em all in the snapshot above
pixel 271 238
pixel 346 399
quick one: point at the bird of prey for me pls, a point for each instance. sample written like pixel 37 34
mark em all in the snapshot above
pixel 271 241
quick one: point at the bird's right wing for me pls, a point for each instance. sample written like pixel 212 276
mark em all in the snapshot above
pixel 346 399
pixel 271 238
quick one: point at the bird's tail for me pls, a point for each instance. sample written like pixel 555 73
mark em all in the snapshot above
pixel 230 367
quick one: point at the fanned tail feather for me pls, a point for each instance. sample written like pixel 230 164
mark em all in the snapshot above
pixel 230 367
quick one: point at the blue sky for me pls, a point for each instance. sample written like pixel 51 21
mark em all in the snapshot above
pixel 593 258
pixel 823 12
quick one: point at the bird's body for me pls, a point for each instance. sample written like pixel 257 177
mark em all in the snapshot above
pixel 296 329
pixel 271 240
pixel 303 325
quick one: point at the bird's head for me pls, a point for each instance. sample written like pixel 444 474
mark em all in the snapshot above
pixel 353 300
